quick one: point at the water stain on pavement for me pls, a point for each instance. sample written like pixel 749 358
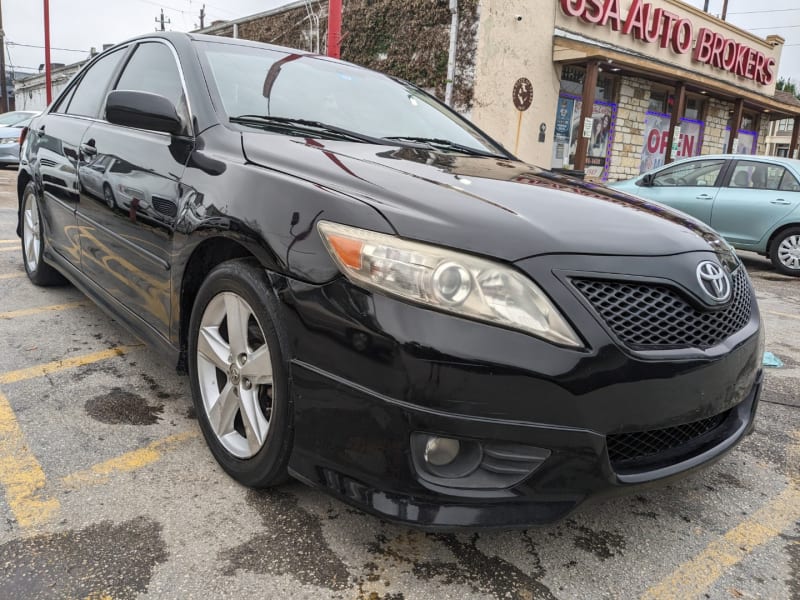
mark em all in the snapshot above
pixel 292 543
pixel 603 544
pixel 470 567
pixel 122 407
pixel 102 560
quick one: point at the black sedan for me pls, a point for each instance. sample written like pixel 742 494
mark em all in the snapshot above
pixel 372 296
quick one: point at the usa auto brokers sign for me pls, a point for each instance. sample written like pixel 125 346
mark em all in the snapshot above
pixel 649 24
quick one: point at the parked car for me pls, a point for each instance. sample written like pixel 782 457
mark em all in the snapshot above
pixel 371 295
pixel 11 125
pixel 753 201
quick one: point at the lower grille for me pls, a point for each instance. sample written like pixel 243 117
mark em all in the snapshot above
pixel 652 317
pixel 645 448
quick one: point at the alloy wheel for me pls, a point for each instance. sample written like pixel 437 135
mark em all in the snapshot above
pixel 234 368
pixel 31 233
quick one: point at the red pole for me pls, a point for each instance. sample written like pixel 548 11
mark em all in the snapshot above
pixel 47 81
pixel 334 27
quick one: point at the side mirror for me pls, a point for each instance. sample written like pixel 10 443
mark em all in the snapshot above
pixel 143 110
pixel 646 181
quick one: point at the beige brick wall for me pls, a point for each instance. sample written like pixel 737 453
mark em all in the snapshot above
pixel 716 122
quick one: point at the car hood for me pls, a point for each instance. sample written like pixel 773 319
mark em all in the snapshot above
pixel 491 206
pixel 10 132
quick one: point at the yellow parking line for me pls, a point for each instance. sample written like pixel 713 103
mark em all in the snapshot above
pixel 130 461
pixel 696 576
pixel 11 276
pixel 782 314
pixel 9 241
pixel 60 365
pixel 25 312
pixel 21 474
pixel 9 248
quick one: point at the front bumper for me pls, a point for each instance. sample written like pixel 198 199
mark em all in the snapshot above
pixel 369 371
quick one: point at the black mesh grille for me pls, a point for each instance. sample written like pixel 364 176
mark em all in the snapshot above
pixel 164 206
pixel 627 447
pixel 651 317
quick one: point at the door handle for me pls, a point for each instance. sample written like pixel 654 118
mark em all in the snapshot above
pixel 705 197
pixel 780 201
pixel 88 149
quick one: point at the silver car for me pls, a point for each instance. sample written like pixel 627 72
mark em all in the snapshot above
pixel 11 124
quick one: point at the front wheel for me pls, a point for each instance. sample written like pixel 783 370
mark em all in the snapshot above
pixel 785 252
pixel 239 375
pixel 39 272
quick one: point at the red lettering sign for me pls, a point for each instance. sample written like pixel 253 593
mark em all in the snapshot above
pixel 649 24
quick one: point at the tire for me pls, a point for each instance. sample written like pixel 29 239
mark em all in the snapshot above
pixel 108 196
pixel 784 252
pixel 33 242
pixel 230 375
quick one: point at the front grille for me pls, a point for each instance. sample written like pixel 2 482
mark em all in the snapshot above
pixel 653 317
pixel 164 206
pixel 624 449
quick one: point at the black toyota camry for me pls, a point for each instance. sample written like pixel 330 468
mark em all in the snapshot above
pixel 372 296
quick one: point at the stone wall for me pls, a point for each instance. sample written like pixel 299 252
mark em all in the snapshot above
pixel 763 132
pixel 716 122
pixel 626 149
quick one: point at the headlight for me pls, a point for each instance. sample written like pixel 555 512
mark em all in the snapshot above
pixel 13 140
pixel 450 281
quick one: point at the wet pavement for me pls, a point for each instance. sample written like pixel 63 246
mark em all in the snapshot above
pixel 108 491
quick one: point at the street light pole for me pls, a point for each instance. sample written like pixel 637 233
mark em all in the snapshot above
pixel 3 90
pixel 47 74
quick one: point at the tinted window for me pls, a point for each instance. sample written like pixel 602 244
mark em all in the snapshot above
pixel 152 69
pixel 757 175
pixel 789 183
pixel 260 81
pixel 695 173
pixel 91 91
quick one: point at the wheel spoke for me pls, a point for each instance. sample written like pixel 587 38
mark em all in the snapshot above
pixel 30 249
pixel 258 368
pixel 213 348
pixel 29 221
pixel 238 314
pixel 222 413
pixel 255 425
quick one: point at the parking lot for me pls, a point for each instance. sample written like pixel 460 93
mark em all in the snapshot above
pixel 107 490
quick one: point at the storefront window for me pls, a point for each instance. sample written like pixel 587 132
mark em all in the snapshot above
pixel 746 142
pixel 658 101
pixel 567 130
pixel 572 83
pixel 694 108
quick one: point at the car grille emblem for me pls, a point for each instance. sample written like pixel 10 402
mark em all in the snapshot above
pixel 714 281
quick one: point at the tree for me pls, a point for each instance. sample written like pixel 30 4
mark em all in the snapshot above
pixel 787 85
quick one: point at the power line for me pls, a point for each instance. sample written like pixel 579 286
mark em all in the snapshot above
pixel 756 12
pixel 51 47
pixel 773 27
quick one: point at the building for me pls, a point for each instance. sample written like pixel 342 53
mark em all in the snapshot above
pixel 609 87
pixel 30 93
pixel 779 136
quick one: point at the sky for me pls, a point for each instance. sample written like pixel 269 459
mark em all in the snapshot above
pixel 78 25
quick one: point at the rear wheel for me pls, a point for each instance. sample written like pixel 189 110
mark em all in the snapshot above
pixel 39 272
pixel 239 375
pixel 785 252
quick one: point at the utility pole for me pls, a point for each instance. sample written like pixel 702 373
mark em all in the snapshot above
pixel 202 16
pixel 705 6
pixel 724 9
pixel 334 28
pixel 48 70
pixel 3 90
pixel 162 21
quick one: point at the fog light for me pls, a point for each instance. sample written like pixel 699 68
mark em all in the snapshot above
pixel 441 451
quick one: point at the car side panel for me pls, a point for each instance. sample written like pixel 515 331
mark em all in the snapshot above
pixel 126 231
pixel 745 216
pixel 53 157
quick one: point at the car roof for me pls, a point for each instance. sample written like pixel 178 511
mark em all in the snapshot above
pixel 756 157
pixel 179 36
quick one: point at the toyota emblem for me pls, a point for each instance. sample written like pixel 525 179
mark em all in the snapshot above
pixel 714 281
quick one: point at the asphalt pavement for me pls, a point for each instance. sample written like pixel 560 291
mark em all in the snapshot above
pixel 107 490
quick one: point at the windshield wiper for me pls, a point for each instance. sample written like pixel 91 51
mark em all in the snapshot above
pixel 446 145
pixel 305 125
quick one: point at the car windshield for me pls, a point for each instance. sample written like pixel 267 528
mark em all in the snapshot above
pixel 270 83
pixel 10 119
